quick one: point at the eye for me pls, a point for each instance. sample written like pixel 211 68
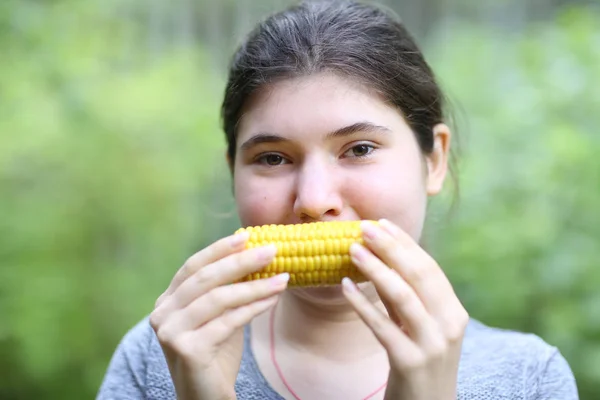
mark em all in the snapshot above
pixel 359 151
pixel 271 159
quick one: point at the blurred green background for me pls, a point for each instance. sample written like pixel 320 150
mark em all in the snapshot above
pixel 112 170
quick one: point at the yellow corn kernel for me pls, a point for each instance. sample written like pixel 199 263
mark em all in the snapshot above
pixel 314 254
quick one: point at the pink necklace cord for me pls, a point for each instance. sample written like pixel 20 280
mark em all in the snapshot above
pixel 278 369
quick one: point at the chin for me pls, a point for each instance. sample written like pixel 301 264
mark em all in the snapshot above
pixel 328 295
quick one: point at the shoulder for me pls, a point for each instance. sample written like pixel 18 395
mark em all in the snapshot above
pixel 513 364
pixel 483 340
pixel 137 343
pixel 137 367
pixel 139 336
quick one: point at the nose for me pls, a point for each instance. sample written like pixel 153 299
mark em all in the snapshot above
pixel 317 192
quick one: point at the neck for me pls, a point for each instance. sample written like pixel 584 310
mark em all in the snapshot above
pixel 320 322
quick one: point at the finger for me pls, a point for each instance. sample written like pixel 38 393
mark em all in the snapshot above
pixel 222 272
pixel 224 298
pixel 219 330
pixel 219 249
pixel 400 299
pixel 393 316
pixel 416 267
pixel 387 333
pixel 431 284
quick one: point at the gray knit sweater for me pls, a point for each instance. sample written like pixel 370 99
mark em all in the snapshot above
pixel 495 364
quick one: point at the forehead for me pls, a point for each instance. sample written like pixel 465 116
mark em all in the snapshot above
pixel 317 103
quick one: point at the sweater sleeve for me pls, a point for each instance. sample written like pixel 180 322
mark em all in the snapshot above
pixel 125 378
pixel 557 381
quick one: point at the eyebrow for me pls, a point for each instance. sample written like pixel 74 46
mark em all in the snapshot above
pixel 358 127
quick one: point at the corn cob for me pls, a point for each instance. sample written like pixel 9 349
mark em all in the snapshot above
pixel 314 254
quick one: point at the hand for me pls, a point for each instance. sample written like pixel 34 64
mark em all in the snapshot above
pixel 199 319
pixel 426 322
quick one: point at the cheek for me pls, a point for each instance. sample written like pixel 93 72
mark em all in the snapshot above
pixel 397 194
pixel 259 202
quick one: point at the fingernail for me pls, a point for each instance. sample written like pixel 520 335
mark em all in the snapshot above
pixel 357 252
pixel 238 239
pixel 280 279
pixel 266 253
pixel 349 285
pixel 369 230
pixel 386 225
pixel 384 222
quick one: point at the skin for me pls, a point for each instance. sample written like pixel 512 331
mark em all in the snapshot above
pixel 406 324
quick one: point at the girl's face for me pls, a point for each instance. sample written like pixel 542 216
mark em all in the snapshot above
pixel 322 148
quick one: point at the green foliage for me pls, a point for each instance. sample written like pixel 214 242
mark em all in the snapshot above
pixel 112 172
pixel 101 169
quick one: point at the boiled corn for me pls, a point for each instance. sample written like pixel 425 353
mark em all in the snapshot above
pixel 314 254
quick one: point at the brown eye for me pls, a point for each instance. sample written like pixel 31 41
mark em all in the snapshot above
pixel 361 150
pixel 273 159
